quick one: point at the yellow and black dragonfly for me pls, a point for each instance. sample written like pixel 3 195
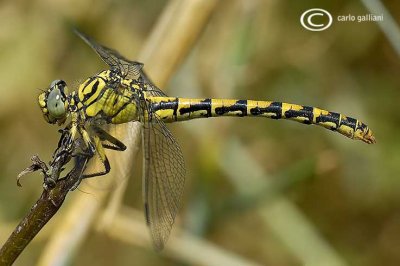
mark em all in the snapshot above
pixel 124 94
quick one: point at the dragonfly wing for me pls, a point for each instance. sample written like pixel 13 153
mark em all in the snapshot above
pixel 150 88
pixel 163 179
pixel 130 69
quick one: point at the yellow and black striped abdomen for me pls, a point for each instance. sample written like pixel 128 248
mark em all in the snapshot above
pixel 172 109
pixel 95 98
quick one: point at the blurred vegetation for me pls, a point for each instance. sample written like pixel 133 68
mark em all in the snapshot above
pixel 347 191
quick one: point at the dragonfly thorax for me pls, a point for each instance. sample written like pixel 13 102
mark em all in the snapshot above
pixel 54 103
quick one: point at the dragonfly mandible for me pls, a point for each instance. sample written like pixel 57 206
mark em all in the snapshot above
pixel 123 94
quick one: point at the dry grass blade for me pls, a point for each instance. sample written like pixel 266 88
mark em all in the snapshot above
pixel 388 26
pixel 183 247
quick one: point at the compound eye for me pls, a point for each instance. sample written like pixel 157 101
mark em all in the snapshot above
pixel 56 102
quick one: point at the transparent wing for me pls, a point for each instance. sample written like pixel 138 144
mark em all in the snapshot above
pixel 163 179
pixel 150 88
pixel 129 69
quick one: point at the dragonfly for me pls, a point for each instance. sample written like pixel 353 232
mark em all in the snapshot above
pixel 123 93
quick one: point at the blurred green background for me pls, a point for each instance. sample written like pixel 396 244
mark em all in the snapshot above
pixel 238 170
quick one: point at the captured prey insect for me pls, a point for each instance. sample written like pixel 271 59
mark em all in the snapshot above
pixel 124 94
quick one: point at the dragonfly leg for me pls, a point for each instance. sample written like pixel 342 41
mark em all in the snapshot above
pixel 88 141
pixel 106 170
pixel 70 135
pixel 70 138
pixel 95 147
pixel 109 142
pixel 61 157
pixel 100 153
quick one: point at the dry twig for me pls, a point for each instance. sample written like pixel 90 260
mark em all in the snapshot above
pixel 44 209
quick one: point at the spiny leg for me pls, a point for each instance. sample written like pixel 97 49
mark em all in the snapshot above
pixel 99 151
pixel 96 147
pixel 91 147
pixel 109 142
pixel 103 159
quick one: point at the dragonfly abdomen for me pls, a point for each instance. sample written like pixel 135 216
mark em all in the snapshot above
pixel 171 109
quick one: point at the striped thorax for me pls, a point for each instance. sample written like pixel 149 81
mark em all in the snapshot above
pixel 101 96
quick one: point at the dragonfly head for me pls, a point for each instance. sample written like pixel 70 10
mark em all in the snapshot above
pixel 53 102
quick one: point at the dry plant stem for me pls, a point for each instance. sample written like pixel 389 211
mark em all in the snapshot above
pixel 43 210
pixel 389 26
pixel 173 37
